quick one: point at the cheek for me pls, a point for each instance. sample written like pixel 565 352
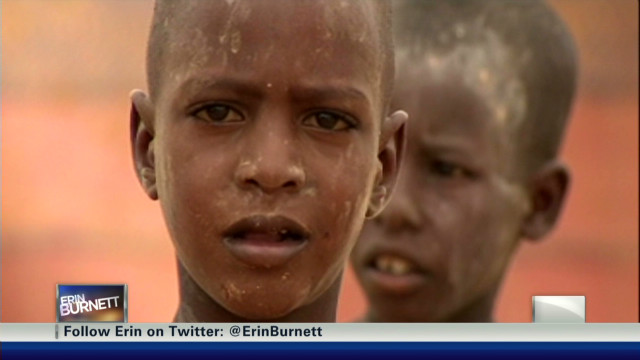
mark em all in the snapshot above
pixel 344 195
pixel 452 218
pixel 461 229
pixel 487 235
pixel 192 184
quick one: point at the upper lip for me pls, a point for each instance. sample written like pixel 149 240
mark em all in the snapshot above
pixel 285 227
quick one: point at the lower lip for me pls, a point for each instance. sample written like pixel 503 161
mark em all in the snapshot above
pixel 395 284
pixel 263 250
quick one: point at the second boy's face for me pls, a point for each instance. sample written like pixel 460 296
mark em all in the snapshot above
pixel 266 142
pixel 440 247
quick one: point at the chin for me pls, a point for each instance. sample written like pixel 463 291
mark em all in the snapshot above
pixel 260 311
pixel 264 304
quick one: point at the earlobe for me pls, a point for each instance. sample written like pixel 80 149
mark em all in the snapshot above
pixel 390 156
pixel 548 191
pixel 142 136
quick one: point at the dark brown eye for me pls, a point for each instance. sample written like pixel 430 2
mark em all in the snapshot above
pixel 329 121
pixel 447 169
pixel 218 113
pixel 326 120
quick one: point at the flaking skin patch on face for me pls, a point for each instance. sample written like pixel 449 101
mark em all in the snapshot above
pixel 459 29
pixel 236 42
pixel 484 63
pixel 346 212
pixel 232 292
pixel 445 213
pixel 231 37
pixel 514 192
pixel 339 24
pixel 309 192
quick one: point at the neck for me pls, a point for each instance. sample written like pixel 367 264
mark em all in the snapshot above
pixel 480 310
pixel 197 306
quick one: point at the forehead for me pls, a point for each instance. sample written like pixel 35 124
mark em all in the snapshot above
pixel 477 58
pixel 281 38
pixel 449 116
pixel 442 104
pixel 267 20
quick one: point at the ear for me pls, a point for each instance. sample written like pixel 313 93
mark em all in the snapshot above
pixel 390 155
pixel 142 135
pixel 547 191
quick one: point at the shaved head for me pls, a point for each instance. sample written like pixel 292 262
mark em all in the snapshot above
pixel 518 54
pixel 173 30
pixel 250 102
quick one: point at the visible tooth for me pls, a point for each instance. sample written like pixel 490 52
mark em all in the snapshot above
pixel 393 265
pixel 382 263
pixel 399 267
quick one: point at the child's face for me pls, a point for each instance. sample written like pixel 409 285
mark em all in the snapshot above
pixel 440 248
pixel 265 150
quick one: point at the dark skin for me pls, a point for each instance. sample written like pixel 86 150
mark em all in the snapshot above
pixel 463 202
pixel 266 170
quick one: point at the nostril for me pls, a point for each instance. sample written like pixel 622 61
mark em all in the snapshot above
pixel 251 182
pixel 290 184
pixel 269 175
pixel 254 183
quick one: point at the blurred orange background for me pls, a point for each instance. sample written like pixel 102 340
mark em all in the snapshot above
pixel 73 212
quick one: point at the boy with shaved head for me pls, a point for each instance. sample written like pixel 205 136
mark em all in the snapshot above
pixel 488 86
pixel 265 138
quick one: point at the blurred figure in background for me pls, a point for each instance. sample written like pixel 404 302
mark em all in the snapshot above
pixel 488 86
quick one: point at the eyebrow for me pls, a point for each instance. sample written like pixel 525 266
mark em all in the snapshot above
pixel 449 146
pixel 329 92
pixel 445 144
pixel 195 85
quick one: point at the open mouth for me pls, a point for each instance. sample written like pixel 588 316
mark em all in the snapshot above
pixel 393 265
pixel 267 236
pixel 266 241
pixel 394 274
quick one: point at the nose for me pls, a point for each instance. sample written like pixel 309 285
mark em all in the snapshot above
pixel 401 214
pixel 272 161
